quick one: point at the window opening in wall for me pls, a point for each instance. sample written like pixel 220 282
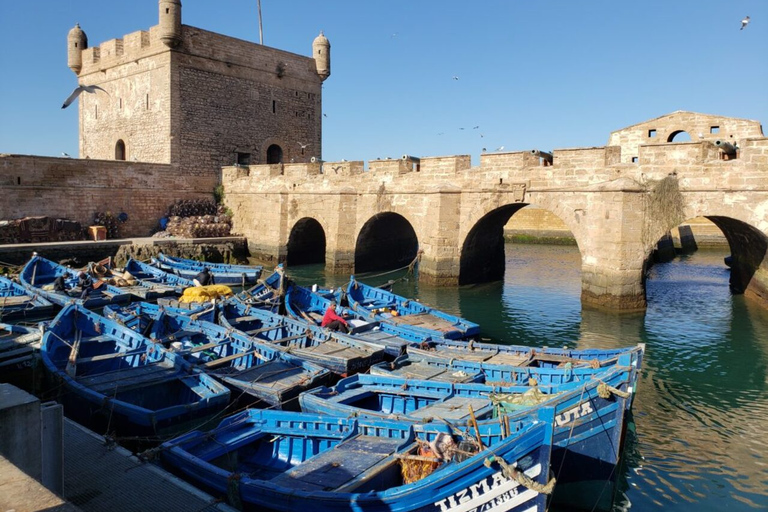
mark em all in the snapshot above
pixel 651 133
pixel 96 111
pixel 18 180
pixel 120 103
pixel 714 129
pixel 679 136
pixel 243 158
pixel 634 159
pixel 167 10
pixel 274 106
pixel 147 101
pixel 274 154
pixel 120 150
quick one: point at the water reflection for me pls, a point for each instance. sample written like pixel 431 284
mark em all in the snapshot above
pixel 702 406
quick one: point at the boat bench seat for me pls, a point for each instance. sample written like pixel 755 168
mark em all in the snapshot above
pixel 125 378
pixel 341 467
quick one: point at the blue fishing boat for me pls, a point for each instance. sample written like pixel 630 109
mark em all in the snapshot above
pixel 424 363
pixel 589 414
pixel 290 462
pixel 16 302
pixel 139 316
pixel 405 367
pixel 309 306
pixel 39 274
pixel 249 365
pixel 340 354
pixel 148 283
pixel 496 354
pixel 385 306
pixel 19 345
pixel 267 293
pixel 223 273
pixel 114 378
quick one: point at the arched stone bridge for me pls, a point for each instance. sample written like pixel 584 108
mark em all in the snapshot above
pixel 618 201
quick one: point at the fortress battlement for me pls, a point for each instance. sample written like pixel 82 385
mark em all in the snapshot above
pixel 601 163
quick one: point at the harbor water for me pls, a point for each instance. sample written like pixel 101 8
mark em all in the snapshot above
pixel 700 438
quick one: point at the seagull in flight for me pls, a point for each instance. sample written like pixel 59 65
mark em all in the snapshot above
pixel 744 22
pixel 81 88
pixel 476 127
pixel 500 148
pixel 455 77
pixel 65 155
pixel 303 146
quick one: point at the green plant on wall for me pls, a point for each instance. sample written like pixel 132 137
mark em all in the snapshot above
pixel 218 194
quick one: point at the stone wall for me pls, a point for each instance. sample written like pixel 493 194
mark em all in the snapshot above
pixel 458 212
pixel 136 73
pixel 75 189
pixel 698 126
pixel 200 104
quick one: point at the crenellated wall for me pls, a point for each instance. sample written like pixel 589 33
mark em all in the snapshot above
pixel 206 101
pixel 456 210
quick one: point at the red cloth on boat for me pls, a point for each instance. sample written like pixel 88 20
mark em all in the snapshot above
pixel 329 316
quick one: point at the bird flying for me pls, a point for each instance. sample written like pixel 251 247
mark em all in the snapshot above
pixel 744 22
pixel 500 148
pixel 80 88
pixel 303 146
pixel 455 77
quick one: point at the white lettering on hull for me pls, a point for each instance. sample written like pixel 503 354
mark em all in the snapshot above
pixel 493 494
pixel 574 413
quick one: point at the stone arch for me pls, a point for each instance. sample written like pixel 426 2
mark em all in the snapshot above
pixel 679 136
pixel 306 243
pixel 748 246
pixel 120 153
pixel 482 257
pixel 386 241
pixel 274 154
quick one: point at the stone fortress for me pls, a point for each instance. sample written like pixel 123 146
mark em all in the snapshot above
pixel 181 103
pixel 187 109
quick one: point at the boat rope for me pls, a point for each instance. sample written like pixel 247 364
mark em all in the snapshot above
pixel 606 390
pixel 570 435
pixel 513 473
pixel 410 266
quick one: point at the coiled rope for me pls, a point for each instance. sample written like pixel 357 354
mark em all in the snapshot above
pixel 512 473
pixel 605 391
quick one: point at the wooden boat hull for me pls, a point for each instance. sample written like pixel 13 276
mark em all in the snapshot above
pixel 115 378
pixel 39 272
pixel 222 273
pixel 248 365
pixel 340 354
pixel 589 415
pixel 272 460
pixel 153 283
pixel 18 303
pixel 407 315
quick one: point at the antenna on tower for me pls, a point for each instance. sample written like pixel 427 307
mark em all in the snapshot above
pixel 261 32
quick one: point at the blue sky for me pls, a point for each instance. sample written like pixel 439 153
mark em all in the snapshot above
pixel 546 74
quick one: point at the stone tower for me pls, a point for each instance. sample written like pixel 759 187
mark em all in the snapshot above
pixel 170 22
pixel 198 100
pixel 77 41
pixel 321 51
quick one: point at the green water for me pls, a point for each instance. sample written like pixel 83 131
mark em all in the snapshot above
pixel 701 409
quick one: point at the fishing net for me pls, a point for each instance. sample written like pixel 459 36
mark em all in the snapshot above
pixel 413 469
pixel 505 403
pixel 206 293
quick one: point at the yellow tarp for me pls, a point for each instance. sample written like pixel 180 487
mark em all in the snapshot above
pixel 206 293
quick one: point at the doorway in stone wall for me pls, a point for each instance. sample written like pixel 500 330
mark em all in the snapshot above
pixel 120 150
pixel 274 154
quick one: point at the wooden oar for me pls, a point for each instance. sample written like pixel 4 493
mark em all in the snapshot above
pixel 477 430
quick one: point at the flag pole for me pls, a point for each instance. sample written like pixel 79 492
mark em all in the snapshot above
pixel 261 33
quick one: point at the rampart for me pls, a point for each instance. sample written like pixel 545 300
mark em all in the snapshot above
pixel 77 188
